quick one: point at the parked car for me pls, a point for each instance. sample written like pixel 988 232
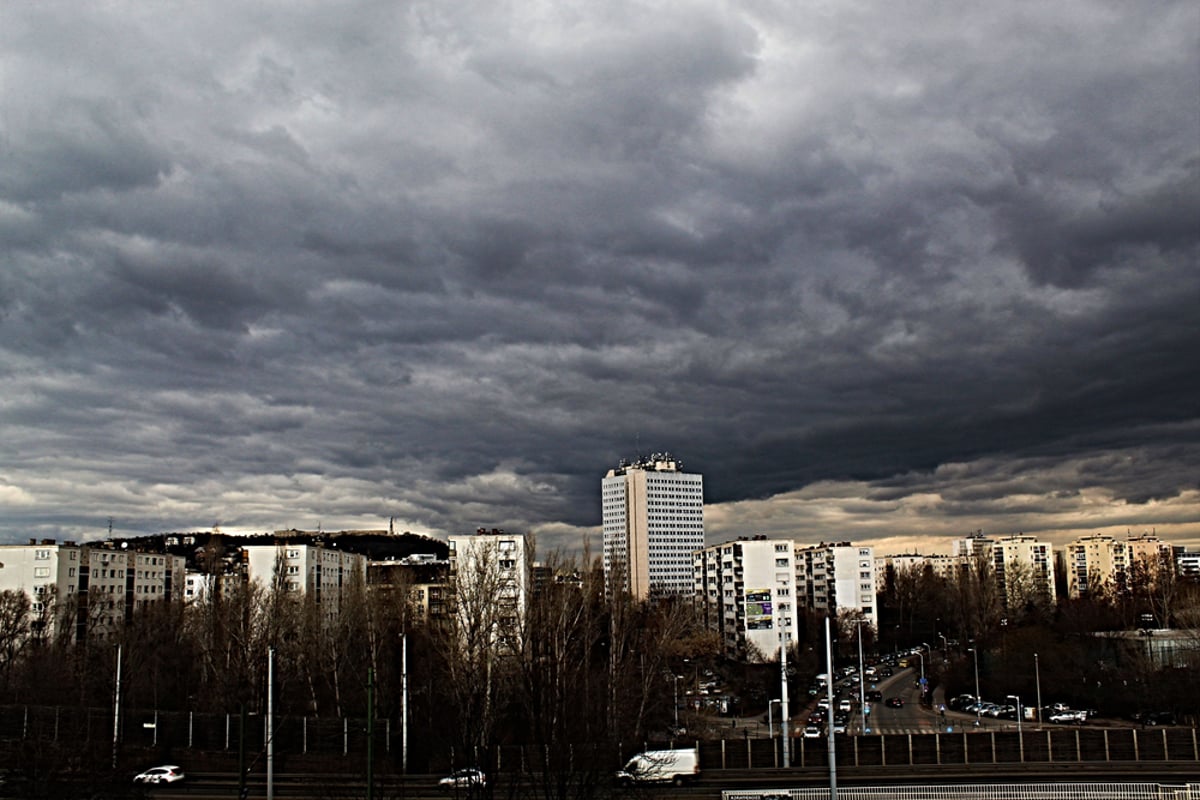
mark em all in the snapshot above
pixel 1068 716
pixel 1159 718
pixel 961 701
pixel 164 774
pixel 895 702
pixel 469 778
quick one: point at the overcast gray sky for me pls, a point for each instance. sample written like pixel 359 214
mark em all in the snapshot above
pixel 886 272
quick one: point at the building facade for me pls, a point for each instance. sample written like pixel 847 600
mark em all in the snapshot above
pixel 489 584
pixel 754 592
pixel 1024 568
pixel 89 591
pixel 838 578
pixel 1096 564
pixel 746 592
pixel 321 573
pixel 653 519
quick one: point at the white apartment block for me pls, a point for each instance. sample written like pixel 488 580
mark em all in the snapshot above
pixel 490 581
pixel 653 519
pixel 1022 564
pixel 971 546
pixel 1187 562
pixel 311 570
pixel 746 592
pixel 943 566
pixel 92 589
pixel 837 578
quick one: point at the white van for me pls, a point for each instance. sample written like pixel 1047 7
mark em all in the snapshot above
pixel 661 766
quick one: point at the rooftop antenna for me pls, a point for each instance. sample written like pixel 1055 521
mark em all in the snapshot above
pixel 391 525
pixel 110 521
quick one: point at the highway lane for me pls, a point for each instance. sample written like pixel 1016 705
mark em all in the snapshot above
pixel 710 785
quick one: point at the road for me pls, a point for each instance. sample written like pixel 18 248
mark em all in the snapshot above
pixel 710 785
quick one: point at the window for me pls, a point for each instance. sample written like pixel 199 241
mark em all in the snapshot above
pixel 41 555
pixel 41 572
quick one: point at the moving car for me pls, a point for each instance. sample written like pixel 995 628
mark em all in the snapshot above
pixel 812 732
pixel 661 766
pixel 469 778
pixel 164 774
pixel 895 702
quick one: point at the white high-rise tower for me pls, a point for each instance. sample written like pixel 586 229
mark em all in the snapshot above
pixel 653 516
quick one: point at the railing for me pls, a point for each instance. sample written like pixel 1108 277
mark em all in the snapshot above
pixel 1049 746
pixel 1032 791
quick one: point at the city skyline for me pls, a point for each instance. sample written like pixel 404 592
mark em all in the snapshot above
pixel 884 275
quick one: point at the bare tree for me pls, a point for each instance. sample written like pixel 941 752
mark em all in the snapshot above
pixel 14 631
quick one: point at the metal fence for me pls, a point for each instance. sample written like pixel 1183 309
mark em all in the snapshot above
pixel 996 791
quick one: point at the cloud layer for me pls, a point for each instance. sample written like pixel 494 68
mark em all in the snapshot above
pixel 879 271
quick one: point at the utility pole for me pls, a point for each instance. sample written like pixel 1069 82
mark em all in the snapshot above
pixel 784 711
pixel 270 723
pixel 829 714
pixel 1037 675
pixel 404 704
pixel 370 734
pixel 116 706
pixel 862 681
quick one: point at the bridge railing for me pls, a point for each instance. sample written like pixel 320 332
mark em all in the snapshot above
pixel 1032 791
pixel 1052 745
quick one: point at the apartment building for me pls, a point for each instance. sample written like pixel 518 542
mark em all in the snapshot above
pixel 837 578
pixel 90 590
pixel 490 582
pixel 1147 555
pixel 1024 568
pixel 1097 563
pixel 422 579
pixel 753 592
pixel 943 566
pixel 1187 562
pixel 746 592
pixel 653 519
pixel 312 570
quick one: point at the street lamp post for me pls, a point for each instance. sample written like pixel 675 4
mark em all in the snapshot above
pixel 1018 699
pixel 978 699
pixel 1037 674
pixel 784 712
pixel 829 728
pixel 676 679
pixel 862 698
pixel 771 720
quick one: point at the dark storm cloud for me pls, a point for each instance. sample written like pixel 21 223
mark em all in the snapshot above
pixel 899 271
